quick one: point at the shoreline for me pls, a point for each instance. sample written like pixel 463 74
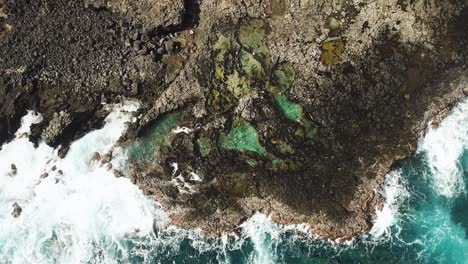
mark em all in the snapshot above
pixel 282 117
pixel 435 114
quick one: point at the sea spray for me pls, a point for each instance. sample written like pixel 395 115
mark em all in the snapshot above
pixel 443 147
pixel 81 213
pixel 394 193
pixel 74 210
pixel 31 118
pixel 260 229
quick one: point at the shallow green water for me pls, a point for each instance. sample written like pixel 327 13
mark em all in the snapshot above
pixel 87 215
pixel 425 219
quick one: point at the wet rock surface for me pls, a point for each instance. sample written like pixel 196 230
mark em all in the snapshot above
pixel 293 108
pixel 17 210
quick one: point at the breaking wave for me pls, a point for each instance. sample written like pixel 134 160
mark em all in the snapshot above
pixel 444 147
pixel 69 208
pixel 77 209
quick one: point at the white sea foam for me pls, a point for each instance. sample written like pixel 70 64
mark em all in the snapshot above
pixel 394 192
pixel 182 185
pixel 260 229
pixel 443 147
pixel 175 168
pixel 179 130
pixel 66 217
pixel 81 212
pixel 29 119
pixel 195 177
pixel 78 205
pixel 268 239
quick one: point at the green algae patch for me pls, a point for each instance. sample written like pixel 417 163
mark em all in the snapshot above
pixel 252 163
pixel 221 48
pixel 294 112
pixel 284 75
pixel 253 35
pixel 238 85
pixel 334 23
pixel 251 66
pixel 223 43
pixel 285 165
pixel 278 7
pixel 219 66
pixel 289 109
pixel 243 137
pixel 310 131
pixel 299 132
pixel 160 136
pixel 204 145
pixel 332 51
pixel 276 162
pixel 219 101
pixel 271 88
pixel 283 147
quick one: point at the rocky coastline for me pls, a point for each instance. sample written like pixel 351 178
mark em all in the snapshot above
pixel 294 108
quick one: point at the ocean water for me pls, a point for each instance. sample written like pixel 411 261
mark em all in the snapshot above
pixel 77 210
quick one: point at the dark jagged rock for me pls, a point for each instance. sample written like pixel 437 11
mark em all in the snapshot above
pixel 149 13
pixel 71 58
pixel 13 170
pixel 296 108
pixel 303 125
pixel 17 210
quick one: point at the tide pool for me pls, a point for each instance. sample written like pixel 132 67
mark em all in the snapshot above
pixel 85 214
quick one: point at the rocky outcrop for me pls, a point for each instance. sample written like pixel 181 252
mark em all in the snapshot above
pixel 74 56
pixel 59 122
pixel 16 210
pixel 303 121
pixel 150 13
pixel 297 108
